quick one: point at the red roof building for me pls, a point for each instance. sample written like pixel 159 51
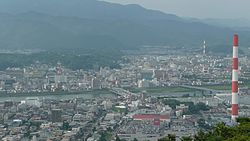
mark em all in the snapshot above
pixel 151 117
pixel 157 122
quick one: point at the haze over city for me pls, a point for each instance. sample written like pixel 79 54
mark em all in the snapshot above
pixel 124 70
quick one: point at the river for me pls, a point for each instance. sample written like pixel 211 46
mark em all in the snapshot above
pixel 62 97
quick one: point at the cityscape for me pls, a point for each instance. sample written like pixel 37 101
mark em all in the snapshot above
pixel 124 70
pixel 149 97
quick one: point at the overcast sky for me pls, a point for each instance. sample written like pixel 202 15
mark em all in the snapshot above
pixel 233 9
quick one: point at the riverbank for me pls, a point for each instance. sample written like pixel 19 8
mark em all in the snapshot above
pixel 33 94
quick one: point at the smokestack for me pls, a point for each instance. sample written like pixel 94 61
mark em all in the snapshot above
pixel 235 79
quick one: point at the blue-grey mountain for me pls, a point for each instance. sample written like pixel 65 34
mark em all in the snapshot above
pixel 96 29
pixel 90 23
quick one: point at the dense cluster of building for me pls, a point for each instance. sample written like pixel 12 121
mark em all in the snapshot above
pixel 136 71
pixel 143 117
pixel 51 119
pixel 124 114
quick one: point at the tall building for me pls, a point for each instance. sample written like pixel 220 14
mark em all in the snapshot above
pixel 96 83
pixel 56 115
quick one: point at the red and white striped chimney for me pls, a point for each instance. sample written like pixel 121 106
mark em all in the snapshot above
pixel 235 79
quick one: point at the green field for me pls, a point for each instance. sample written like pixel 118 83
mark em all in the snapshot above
pixel 160 90
pixel 224 87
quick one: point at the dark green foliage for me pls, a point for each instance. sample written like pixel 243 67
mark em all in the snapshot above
pixel 34 123
pixel 102 138
pixel 195 109
pixel 192 108
pixel 200 136
pixel 117 138
pixel 27 134
pixel 221 132
pixel 109 129
pixel 169 137
pixel 202 124
pixel 241 120
pixel 80 60
pixel 65 126
pixel 94 129
pixel 187 138
pixel 105 136
pixel 171 102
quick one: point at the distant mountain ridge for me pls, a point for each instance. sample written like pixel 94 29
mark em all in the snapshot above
pixel 90 24
pixel 89 9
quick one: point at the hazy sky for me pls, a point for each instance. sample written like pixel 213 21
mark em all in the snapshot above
pixel 232 9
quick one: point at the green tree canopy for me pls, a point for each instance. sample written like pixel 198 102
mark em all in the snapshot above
pixel 221 132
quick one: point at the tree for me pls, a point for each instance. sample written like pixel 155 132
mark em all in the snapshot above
pixel 171 102
pixel 117 138
pixel 241 120
pixel 65 125
pixel 102 138
pixel 221 132
pixel 164 139
pixel 94 129
pixel 105 136
pixel 169 137
pixel 186 138
pixel 135 139
pixel 202 124
pixel 172 137
pixel 200 136
pixel 109 129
